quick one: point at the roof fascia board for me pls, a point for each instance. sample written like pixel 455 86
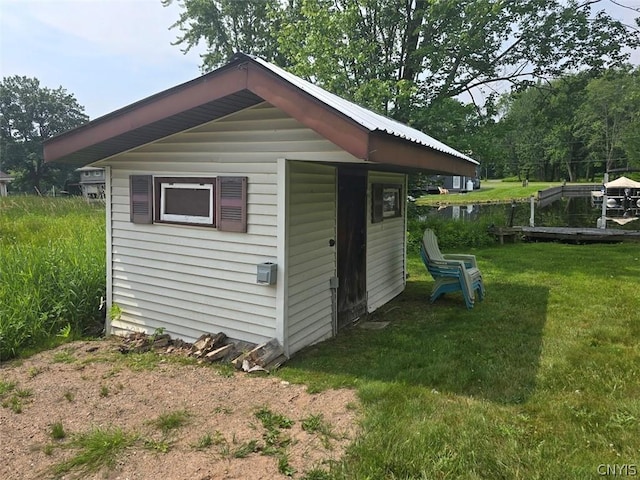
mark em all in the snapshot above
pixel 409 155
pixel 308 110
pixel 156 108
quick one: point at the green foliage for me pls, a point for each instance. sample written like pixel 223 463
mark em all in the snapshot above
pixel 171 420
pixel 316 474
pixel 546 365
pixel 29 115
pixel 284 467
pixel 6 387
pixel 229 26
pixel 318 425
pixel 64 356
pixel 52 262
pixel 57 431
pixel 69 396
pixel 96 449
pixel 160 446
pixel 246 449
pixel 115 312
pixel 609 120
pixel 271 420
pixel 204 442
pixel 574 127
pixel 452 234
pixel 396 56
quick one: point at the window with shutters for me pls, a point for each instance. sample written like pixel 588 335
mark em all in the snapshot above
pixel 187 200
pixel 207 201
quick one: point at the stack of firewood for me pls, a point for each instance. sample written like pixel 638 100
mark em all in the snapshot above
pixel 211 348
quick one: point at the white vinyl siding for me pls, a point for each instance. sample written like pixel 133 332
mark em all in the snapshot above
pixel 386 264
pixel 191 280
pixel 311 224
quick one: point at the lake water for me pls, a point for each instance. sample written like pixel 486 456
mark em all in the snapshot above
pixel 565 212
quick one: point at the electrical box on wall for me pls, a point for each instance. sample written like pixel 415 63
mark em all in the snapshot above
pixel 267 273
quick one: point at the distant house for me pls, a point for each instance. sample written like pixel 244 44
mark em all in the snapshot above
pixel 92 182
pixel 460 183
pixel 5 180
pixel 252 202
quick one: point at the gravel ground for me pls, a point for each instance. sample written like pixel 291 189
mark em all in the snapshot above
pixel 88 385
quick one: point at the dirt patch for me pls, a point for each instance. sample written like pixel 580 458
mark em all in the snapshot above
pixel 85 386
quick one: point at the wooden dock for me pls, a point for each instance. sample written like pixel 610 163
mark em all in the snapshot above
pixel 550 195
pixel 566 234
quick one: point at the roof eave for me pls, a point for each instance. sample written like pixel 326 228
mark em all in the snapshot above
pixel 238 85
pixel 145 113
pixel 413 156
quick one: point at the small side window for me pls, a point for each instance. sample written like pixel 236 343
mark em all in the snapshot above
pixel 386 201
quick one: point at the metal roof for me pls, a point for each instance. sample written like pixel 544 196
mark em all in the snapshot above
pixel 242 83
pixel 367 118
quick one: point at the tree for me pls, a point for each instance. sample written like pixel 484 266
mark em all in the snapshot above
pixel 227 27
pixel 395 55
pixel 574 126
pixel 609 119
pixel 30 114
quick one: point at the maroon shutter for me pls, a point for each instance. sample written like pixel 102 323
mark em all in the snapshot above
pixel 231 204
pixel 377 190
pixel 141 198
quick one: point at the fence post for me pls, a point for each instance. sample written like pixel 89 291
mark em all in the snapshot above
pixel 532 217
pixel 603 218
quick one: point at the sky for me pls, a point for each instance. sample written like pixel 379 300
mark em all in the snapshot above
pixel 111 53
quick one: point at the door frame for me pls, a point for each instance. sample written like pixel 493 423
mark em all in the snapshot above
pixel 351 226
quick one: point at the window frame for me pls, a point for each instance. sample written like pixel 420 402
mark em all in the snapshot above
pixel 161 184
pixel 379 209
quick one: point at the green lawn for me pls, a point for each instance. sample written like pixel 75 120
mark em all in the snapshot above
pixel 541 380
pixel 490 191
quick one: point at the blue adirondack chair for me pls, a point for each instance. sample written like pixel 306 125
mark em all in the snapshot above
pixel 451 272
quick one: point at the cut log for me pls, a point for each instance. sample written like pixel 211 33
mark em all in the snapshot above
pixel 218 353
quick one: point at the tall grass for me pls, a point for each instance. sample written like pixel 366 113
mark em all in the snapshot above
pixel 52 264
pixel 452 234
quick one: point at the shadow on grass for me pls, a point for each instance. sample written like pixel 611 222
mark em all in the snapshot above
pixel 491 352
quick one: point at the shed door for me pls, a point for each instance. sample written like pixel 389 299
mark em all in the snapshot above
pixel 352 243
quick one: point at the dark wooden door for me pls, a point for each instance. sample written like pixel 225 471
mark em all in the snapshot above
pixel 352 243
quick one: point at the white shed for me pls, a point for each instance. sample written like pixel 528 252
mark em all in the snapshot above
pixel 252 202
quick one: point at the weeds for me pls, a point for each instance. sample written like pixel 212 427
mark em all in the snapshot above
pixel 52 257
pixel 64 356
pixel 97 448
pixel 204 442
pixel 316 474
pixel 160 446
pixel 57 431
pixel 6 387
pixel 284 467
pixel 142 361
pixel 317 424
pixel 12 396
pixel 271 420
pixel 13 403
pixel 245 449
pixel 223 409
pixel 171 420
